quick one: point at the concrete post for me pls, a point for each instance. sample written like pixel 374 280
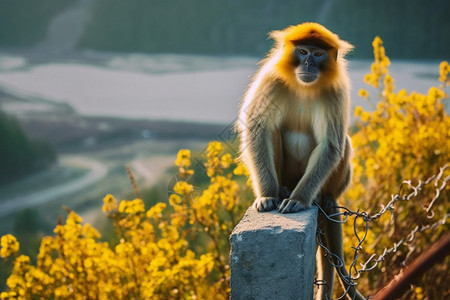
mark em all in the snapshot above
pixel 273 255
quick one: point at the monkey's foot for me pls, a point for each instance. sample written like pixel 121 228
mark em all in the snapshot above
pixel 290 206
pixel 266 203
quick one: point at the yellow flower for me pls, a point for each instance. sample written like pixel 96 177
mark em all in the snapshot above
pixel 183 158
pixel 365 116
pixel 358 111
pixel 155 211
pixel 183 188
pixel 363 93
pixel 419 293
pixel 436 94
pixel 388 84
pixel 174 200
pixel 62 291
pixel 444 69
pixel 10 246
pixel 90 232
pixel 21 263
pixel 132 207
pixel 376 44
pixel 210 171
pixel 371 80
pixel 214 148
pixel 226 160
pixel 73 218
pixel 8 295
pixel 241 169
pixel 109 203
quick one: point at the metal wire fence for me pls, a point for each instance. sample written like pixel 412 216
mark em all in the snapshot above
pixel 407 191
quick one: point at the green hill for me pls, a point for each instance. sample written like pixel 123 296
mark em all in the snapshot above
pixel 410 28
pixel 20 155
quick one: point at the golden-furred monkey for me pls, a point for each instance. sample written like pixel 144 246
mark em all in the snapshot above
pixel 292 124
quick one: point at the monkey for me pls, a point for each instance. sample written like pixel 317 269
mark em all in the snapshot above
pixel 292 125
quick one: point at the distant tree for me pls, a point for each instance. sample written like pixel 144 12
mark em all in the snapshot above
pixel 19 155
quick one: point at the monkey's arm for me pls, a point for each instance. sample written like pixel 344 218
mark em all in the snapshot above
pixel 329 132
pixel 259 120
pixel 260 160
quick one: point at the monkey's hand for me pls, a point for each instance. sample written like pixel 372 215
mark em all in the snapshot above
pixel 266 203
pixel 290 205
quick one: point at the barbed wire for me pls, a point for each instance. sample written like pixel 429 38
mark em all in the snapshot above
pixel 440 182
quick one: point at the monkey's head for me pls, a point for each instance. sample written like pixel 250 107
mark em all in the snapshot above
pixel 309 55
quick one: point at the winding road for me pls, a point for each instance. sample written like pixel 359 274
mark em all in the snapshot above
pixel 151 169
pixel 97 171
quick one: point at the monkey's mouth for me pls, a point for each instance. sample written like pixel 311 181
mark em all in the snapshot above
pixel 307 77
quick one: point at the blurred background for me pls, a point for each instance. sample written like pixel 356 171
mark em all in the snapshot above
pixel 89 86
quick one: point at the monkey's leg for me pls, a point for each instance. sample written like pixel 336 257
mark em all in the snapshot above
pixel 325 272
pixel 333 238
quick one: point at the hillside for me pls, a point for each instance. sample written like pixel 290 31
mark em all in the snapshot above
pixel 20 154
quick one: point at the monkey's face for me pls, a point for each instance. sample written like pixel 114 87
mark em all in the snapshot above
pixel 310 61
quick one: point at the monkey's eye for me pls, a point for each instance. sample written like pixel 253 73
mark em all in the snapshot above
pixel 318 54
pixel 302 51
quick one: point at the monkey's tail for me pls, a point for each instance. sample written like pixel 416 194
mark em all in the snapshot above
pixel 333 241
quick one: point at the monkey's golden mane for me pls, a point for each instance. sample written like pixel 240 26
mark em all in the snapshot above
pixel 315 34
pixel 310 31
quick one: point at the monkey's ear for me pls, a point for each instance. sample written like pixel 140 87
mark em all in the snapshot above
pixel 277 35
pixel 344 48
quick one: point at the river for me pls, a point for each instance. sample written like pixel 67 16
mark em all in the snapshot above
pixel 171 87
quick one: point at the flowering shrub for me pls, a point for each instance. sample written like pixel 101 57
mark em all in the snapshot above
pixel 405 135
pixel 179 249
pixel 9 245
pixel 153 259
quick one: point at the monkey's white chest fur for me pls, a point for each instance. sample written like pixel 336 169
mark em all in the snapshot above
pixel 303 127
pixel 297 144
